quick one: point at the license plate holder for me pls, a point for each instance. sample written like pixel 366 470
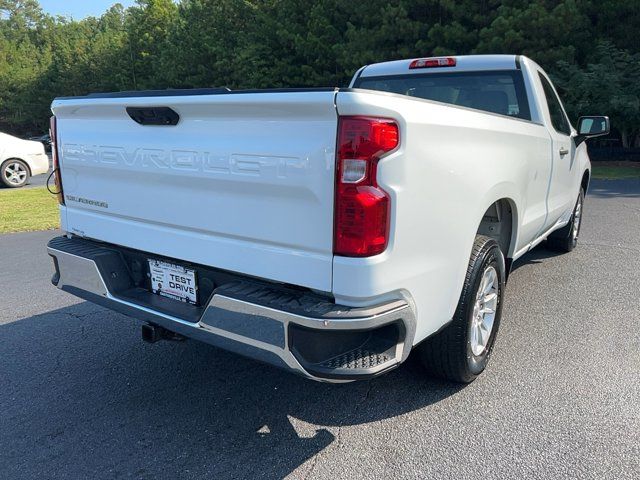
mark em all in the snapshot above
pixel 173 281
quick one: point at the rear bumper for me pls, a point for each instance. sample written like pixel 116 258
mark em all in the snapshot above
pixel 38 163
pixel 290 328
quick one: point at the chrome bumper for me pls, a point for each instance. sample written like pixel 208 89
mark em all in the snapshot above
pixel 256 319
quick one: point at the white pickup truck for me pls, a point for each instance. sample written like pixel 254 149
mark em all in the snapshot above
pixel 326 231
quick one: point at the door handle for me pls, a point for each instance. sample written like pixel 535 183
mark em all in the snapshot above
pixel 563 151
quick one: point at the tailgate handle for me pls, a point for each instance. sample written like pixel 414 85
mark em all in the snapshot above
pixel 153 115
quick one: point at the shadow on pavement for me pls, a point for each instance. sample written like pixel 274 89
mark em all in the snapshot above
pixel 84 397
pixel 538 255
pixel 614 188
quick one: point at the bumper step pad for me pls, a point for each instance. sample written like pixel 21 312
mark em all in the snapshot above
pixel 356 359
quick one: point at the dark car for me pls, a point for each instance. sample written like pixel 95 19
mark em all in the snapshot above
pixel 44 139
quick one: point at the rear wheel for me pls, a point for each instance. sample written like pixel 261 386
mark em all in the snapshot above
pixel 14 173
pixel 566 239
pixel 461 351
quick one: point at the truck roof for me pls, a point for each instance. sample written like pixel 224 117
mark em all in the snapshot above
pixel 463 63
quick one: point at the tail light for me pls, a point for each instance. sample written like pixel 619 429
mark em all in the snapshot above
pixel 361 216
pixel 434 62
pixel 57 177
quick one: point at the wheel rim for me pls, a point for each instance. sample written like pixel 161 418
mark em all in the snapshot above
pixel 15 173
pixel 484 311
pixel 577 217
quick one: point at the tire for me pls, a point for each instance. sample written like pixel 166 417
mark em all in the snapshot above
pixel 14 173
pixel 457 353
pixel 566 239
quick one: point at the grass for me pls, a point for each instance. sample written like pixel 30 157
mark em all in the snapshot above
pixel 615 173
pixel 27 209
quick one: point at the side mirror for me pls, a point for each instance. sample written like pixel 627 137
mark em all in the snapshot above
pixel 592 126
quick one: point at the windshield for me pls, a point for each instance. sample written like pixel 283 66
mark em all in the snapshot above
pixel 500 92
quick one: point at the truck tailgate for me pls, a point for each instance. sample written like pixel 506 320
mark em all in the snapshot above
pixel 243 182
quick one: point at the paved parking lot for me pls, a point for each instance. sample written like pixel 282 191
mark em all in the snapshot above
pixel 82 396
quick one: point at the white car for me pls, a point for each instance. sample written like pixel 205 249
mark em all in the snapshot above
pixel 20 160
pixel 327 231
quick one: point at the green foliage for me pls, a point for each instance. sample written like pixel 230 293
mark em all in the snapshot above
pixel 205 43
pixel 610 82
pixel 147 26
pixel 41 205
pixel 589 47
pixel 546 31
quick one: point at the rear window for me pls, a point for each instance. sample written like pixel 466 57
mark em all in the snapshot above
pixel 500 92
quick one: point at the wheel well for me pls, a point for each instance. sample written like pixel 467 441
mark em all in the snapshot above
pixel 585 181
pixel 497 223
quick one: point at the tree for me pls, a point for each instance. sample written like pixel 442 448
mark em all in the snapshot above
pixel 590 48
pixel 609 84
pixel 205 44
pixel 148 25
pixel 546 31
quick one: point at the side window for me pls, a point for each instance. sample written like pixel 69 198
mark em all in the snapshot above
pixel 558 118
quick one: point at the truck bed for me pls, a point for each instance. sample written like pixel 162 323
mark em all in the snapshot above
pixel 244 181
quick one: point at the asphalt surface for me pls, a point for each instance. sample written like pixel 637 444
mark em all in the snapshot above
pixel 81 396
pixel 38 180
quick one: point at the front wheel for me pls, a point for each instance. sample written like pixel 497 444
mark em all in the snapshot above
pixel 566 239
pixel 461 351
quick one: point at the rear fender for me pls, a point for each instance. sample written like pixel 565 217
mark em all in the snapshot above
pixel 503 190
